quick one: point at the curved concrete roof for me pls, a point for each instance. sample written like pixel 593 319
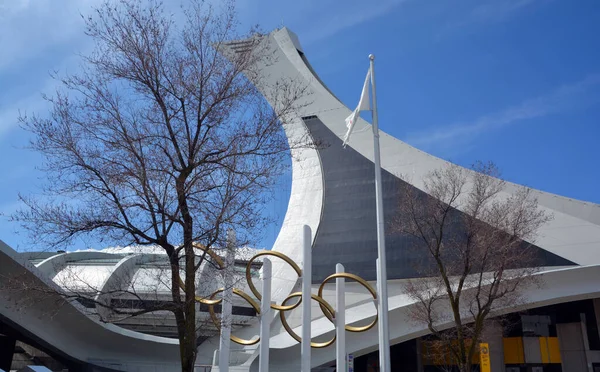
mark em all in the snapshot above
pixel 319 175
pixel 34 306
pixel 573 234
pixel 63 328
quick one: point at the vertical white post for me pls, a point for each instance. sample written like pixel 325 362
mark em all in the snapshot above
pixel 340 320
pixel 384 332
pixel 265 317
pixel 306 287
pixel 224 341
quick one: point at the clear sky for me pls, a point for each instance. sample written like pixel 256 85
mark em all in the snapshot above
pixel 516 82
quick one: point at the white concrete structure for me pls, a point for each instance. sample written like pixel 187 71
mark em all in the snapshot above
pixel 333 193
pixel 31 306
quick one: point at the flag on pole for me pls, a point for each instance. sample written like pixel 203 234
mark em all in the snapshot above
pixel 363 105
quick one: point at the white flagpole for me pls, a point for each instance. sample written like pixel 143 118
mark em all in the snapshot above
pixel 305 360
pixel 384 332
pixel 226 306
pixel 265 317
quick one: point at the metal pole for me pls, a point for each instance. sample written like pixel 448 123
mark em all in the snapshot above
pixel 224 341
pixel 340 320
pixel 306 287
pixel 265 317
pixel 378 303
pixel 384 332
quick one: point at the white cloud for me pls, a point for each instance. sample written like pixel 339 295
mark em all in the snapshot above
pixel 484 12
pixel 29 29
pixel 28 104
pixel 351 14
pixel 35 37
pixel 498 10
pixel 314 20
pixel 580 94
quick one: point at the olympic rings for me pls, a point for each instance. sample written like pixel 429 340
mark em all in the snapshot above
pixel 216 321
pixel 253 289
pixel 326 308
pixel 324 305
pixel 364 284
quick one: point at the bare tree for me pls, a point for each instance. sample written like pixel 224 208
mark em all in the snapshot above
pixel 476 240
pixel 160 140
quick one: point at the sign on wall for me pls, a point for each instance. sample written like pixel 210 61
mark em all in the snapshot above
pixel 484 356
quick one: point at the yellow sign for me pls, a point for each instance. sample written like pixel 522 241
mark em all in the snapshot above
pixel 484 356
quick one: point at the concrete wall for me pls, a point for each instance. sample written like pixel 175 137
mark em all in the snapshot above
pixel 572 349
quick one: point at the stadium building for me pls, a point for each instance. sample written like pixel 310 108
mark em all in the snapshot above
pixel 555 327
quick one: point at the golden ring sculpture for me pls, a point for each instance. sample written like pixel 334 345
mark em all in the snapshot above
pixel 253 289
pixel 362 282
pixel 326 308
pixel 324 305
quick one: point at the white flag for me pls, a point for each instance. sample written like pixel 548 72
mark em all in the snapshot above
pixel 363 104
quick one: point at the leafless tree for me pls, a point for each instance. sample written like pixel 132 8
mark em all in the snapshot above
pixel 477 242
pixel 160 140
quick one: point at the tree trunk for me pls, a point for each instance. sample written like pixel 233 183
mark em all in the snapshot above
pixel 189 340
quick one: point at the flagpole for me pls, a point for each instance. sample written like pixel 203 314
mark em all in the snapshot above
pixel 305 358
pixel 384 332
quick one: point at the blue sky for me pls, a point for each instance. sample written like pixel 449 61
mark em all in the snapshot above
pixel 516 82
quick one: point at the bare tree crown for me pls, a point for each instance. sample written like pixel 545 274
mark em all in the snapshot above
pixel 478 253
pixel 161 140
pixel 159 133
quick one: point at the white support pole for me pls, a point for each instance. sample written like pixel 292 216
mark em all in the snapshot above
pixel 384 332
pixel 340 320
pixel 265 317
pixel 306 293
pixel 224 342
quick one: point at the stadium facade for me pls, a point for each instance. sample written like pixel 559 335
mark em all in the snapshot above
pixel 333 192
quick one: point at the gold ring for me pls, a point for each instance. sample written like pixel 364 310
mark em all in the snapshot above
pixel 216 321
pixel 325 307
pixel 364 284
pixel 291 332
pixel 253 289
